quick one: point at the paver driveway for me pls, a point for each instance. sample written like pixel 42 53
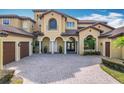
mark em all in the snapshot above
pixel 72 68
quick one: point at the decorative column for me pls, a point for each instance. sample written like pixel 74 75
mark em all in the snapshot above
pixel 52 47
pixel 77 47
pixel 1 53
pixel 65 50
pixel 39 46
pixel 81 46
pixel 103 48
pixel 17 51
pixel 30 48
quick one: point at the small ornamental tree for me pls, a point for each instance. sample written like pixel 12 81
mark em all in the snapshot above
pixel 45 49
pixel 119 42
pixel 60 49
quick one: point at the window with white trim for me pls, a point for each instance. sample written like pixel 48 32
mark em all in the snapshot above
pixel 25 25
pixel 70 24
pixel 6 21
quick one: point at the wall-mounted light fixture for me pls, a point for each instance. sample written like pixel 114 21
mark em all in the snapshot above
pixel 19 44
pixel 3 34
pixel 90 30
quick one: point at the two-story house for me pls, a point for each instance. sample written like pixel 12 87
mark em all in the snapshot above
pixel 56 33
pixel 65 33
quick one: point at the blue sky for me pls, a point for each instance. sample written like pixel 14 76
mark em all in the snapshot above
pixel 114 17
pixel 72 12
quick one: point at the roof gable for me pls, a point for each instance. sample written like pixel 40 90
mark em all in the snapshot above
pixel 90 27
pixel 64 15
pixel 104 25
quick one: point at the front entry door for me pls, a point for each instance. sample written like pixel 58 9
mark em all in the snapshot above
pixel 107 49
pixel 71 46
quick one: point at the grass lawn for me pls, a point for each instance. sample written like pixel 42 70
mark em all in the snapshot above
pixel 114 73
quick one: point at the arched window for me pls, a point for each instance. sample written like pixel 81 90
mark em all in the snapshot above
pixel 89 42
pixel 52 24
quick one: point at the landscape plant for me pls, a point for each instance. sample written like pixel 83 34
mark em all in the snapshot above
pixel 119 42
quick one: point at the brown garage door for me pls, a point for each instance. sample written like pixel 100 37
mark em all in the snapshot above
pixel 24 49
pixel 107 49
pixel 8 52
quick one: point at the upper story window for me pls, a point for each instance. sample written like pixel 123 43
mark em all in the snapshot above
pixel 25 25
pixel 32 27
pixel 6 21
pixel 52 24
pixel 70 24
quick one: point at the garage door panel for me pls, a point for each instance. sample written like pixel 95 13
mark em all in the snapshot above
pixel 8 52
pixel 24 49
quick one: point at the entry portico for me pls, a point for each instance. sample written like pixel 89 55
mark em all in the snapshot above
pixel 58 45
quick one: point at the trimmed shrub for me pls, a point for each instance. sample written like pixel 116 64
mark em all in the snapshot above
pixel 92 53
pixel 45 49
pixel 115 64
pixel 5 76
pixel 35 45
pixel 60 49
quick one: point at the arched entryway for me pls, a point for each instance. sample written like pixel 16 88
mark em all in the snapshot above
pixel 59 45
pixel 89 43
pixel 71 45
pixel 46 45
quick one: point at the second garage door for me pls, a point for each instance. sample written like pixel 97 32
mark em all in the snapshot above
pixel 24 49
pixel 8 52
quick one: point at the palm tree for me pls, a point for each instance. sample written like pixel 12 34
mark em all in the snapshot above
pixel 119 42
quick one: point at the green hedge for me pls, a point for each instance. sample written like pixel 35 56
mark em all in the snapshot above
pixel 115 64
pixel 92 53
pixel 8 77
pixel 5 76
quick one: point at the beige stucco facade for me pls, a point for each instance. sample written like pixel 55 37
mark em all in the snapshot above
pixel 82 34
pixel 84 25
pixel 103 28
pixel 102 45
pixel 16 39
pixel 26 24
pixel 69 38
pixel 115 52
pixel 123 53
pixel 54 35
pixel 15 22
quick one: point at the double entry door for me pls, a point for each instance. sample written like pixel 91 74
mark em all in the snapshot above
pixel 71 46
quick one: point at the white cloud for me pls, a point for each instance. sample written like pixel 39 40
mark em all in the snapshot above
pixel 112 14
pixel 113 19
